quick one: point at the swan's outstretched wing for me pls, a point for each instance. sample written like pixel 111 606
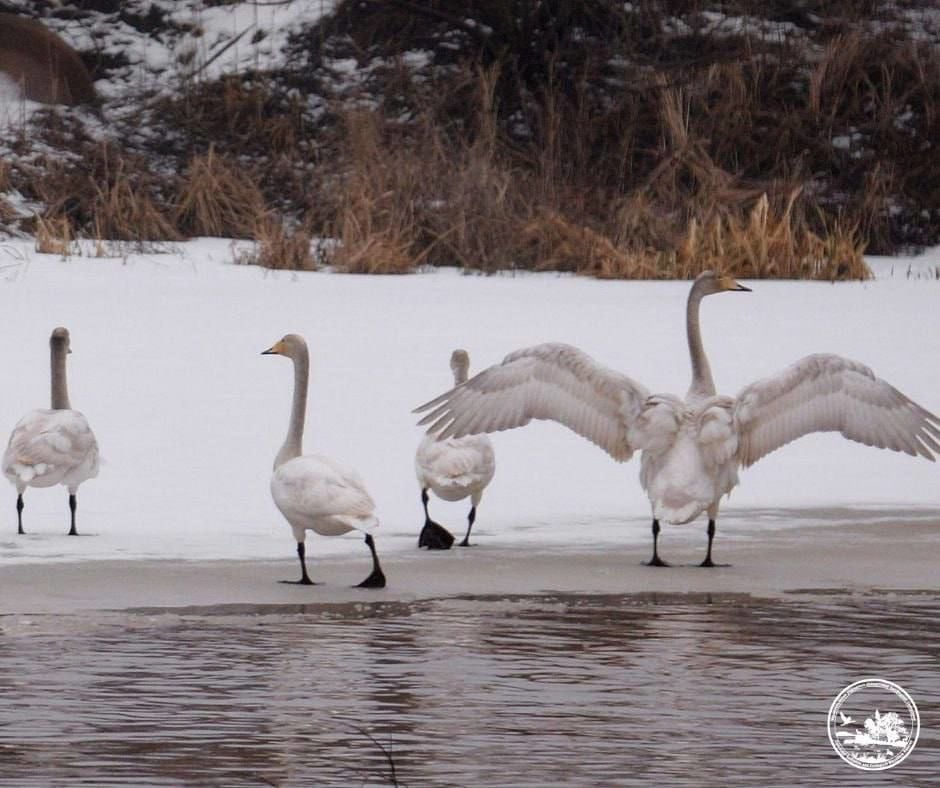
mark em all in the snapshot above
pixel 826 393
pixel 551 381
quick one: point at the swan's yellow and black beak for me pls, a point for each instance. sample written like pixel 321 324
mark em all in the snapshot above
pixel 277 349
pixel 730 283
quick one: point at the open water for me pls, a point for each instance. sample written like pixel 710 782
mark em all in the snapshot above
pixel 673 690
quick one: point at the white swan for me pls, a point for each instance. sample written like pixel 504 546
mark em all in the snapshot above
pixel 314 492
pixel 55 446
pixel 453 468
pixel 692 448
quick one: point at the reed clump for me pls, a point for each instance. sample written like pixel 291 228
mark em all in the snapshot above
pixel 217 197
pixel 282 248
pixel 53 236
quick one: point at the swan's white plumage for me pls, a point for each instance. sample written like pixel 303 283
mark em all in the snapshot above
pixel 688 454
pixel 692 448
pixel 454 468
pixel 49 447
pixel 551 381
pixel 317 493
pixel 52 446
pixel 313 492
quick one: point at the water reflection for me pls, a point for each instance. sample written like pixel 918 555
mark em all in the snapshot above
pixel 584 690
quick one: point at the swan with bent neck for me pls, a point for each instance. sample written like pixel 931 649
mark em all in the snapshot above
pixel 691 448
pixel 52 446
pixel 453 469
pixel 313 492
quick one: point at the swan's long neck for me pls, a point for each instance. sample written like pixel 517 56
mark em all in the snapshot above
pixel 702 383
pixel 60 391
pixel 293 443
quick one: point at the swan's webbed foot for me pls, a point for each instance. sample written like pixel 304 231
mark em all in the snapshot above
pixel 465 542
pixel 435 537
pixel 656 561
pixel 304 581
pixel 374 580
pixel 377 578
pixel 708 563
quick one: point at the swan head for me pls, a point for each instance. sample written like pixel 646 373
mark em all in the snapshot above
pixel 459 361
pixel 291 345
pixel 709 282
pixel 459 365
pixel 60 341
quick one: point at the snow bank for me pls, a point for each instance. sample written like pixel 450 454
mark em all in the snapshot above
pixel 166 365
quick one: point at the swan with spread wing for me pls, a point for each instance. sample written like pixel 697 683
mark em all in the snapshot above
pixel 692 447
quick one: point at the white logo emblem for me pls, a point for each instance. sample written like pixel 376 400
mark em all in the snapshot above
pixel 873 724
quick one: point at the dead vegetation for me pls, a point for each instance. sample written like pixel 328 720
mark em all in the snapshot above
pixel 54 236
pixel 279 247
pixel 216 197
pixel 599 138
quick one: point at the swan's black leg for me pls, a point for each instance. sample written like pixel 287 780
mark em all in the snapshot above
pixel 377 578
pixel 433 536
pixel 711 537
pixel 470 519
pixel 304 577
pixel 19 513
pixel 73 505
pixel 656 560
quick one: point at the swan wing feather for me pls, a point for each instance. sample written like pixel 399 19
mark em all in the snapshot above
pixel 553 381
pixel 316 486
pixel 829 393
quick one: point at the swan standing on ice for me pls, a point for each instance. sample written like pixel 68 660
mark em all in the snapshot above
pixel 453 468
pixel 314 492
pixel 692 448
pixel 55 446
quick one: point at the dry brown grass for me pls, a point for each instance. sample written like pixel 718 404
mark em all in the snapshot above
pixel 558 244
pixel 218 198
pixel 376 223
pixel 772 244
pixel 625 150
pixel 105 196
pixel 279 248
pixel 243 113
pixel 124 209
pixel 54 235
pixel 426 198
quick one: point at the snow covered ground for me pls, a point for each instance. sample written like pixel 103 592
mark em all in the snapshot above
pixel 166 365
